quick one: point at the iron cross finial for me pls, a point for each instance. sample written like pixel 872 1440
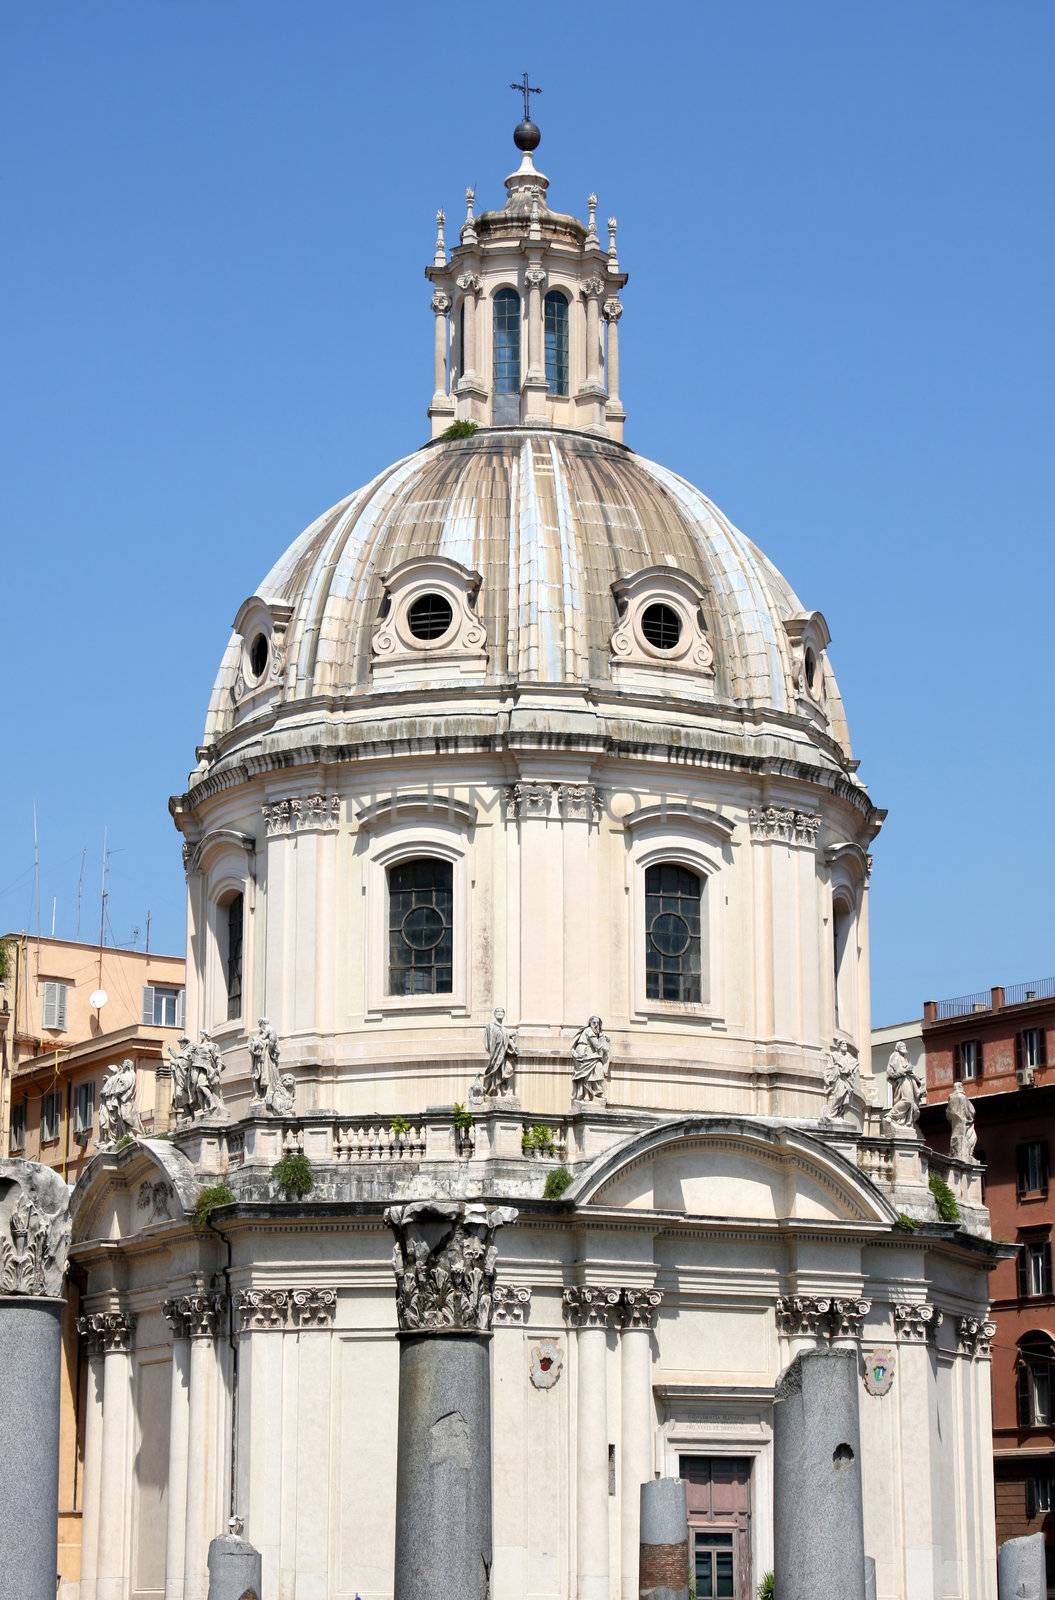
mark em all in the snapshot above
pixel 525 89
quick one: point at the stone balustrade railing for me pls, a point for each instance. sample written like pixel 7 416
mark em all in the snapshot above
pixel 379 1141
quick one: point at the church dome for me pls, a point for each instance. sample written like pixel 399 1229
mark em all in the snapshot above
pixel 544 557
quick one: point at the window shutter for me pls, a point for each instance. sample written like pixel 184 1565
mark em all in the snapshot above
pixel 1022 1269
pixel 50 1005
pixel 1044 1166
pixel 148 1005
pixel 1046 1268
pixel 1031 1498
pixel 1022 1392
pixel 1042 1048
pixel 181 1008
pixel 63 989
pixel 1018 1052
pixel 980 1057
pixel 957 1062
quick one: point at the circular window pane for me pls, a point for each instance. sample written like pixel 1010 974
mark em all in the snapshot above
pixel 423 928
pixel 670 934
pixel 430 617
pixel 258 656
pixel 661 626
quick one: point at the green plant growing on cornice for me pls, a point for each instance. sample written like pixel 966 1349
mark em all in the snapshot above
pixel 906 1223
pixel 538 1140
pixel 400 1127
pixel 293 1175
pixel 767 1588
pixel 5 960
pixel 124 1141
pixel 459 430
pixel 556 1183
pixel 462 1118
pixel 210 1199
pixel 944 1199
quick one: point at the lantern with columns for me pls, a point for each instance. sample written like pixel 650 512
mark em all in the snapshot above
pixel 527 313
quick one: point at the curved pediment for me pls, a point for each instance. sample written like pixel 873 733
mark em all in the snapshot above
pixel 124 1192
pixel 733 1168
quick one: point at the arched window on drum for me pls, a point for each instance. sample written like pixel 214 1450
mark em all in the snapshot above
pixel 420 927
pixel 673 944
pixel 506 356
pixel 556 320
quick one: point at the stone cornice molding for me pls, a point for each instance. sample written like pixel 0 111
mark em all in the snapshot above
pixel 107 1332
pixel 401 807
pixel 587 1306
pixel 974 1337
pixel 680 813
pixel 512 1302
pixel 784 824
pixel 916 1322
pixel 638 1308
pixel 194 855
pixel 302 813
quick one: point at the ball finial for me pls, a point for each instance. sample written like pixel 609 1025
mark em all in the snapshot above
pixel 526 135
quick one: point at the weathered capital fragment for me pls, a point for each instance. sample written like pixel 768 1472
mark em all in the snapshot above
pixel 444 1261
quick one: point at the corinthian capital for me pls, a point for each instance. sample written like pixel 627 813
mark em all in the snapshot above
pixel 444 1261
pixel 108 1331
pixel 638 1307
pixel 587 1306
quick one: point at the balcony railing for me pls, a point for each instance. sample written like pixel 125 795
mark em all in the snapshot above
pixel 1036 989
pixel 995 999
pixel 964 1004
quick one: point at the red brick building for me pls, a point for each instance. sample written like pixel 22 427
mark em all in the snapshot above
pixel 1001 1045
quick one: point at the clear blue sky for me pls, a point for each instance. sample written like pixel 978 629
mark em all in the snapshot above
pixel 838 223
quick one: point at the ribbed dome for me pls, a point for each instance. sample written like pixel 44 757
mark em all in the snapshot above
pixel 550 520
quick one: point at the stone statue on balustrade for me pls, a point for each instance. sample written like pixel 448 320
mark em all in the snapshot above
pixel 273 1091
pixel 907 1089
pixel 501 1046
pixel 960 1113
pixel 591 1064
pixel 118 1112
pixel 841 1080
pixel 196 1073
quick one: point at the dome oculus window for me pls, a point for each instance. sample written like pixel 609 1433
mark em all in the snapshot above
pixel 420 927
pixel 430 617
pixel 661 626
pixel 673 909
pixel 258 653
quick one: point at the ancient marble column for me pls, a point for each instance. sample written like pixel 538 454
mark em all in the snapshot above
pixel 444 1262
pixel 1021 1573
pixel 589 1309
pixel 636 1315
pixel 613 310
pixel 34 1239
pixel 664 1561
pixel 115 1330
pixel 817 1502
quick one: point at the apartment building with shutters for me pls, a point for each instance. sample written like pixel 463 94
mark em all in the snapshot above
pixel 1000 1044
pixel 58 1036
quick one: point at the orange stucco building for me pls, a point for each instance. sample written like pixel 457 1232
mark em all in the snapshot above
pixel 1000 1045
pixel 55 1047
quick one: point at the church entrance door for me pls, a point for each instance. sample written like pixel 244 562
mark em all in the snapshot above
pixel 719 1502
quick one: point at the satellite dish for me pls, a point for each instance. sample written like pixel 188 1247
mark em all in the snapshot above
pixel 97 998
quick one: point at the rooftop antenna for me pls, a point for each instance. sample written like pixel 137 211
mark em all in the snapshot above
pixel 54 905
pixel 80 890
pixel 98 997
pixel 36 880
pixel 148 932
